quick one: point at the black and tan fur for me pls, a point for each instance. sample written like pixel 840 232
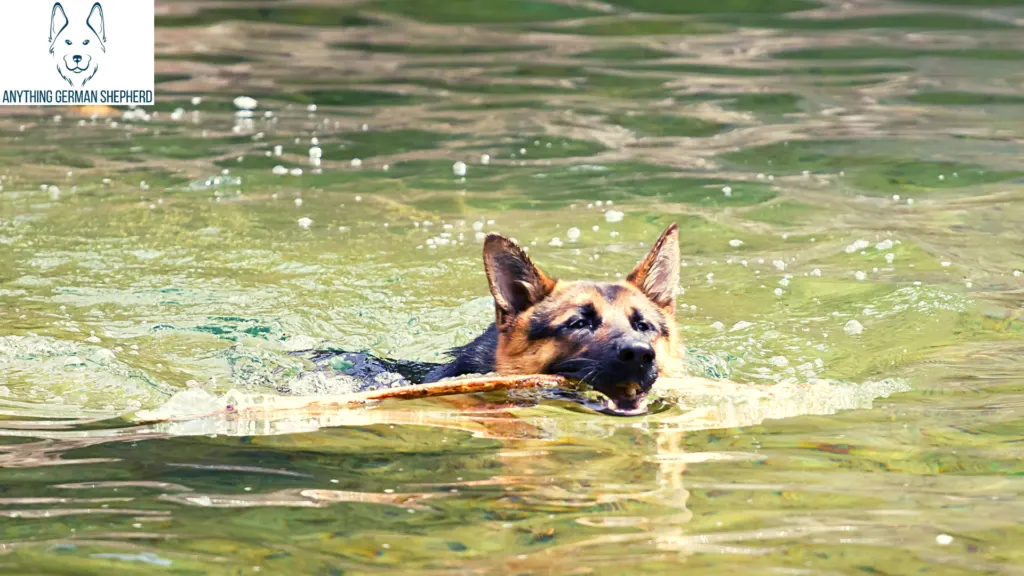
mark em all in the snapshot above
pixel 617 337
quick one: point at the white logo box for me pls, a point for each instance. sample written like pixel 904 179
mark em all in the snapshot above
pixel 75 52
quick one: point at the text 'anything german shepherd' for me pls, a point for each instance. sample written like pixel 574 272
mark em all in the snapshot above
pixel 616 337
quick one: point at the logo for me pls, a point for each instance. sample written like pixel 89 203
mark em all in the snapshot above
pixel 78 45
pixel 92 52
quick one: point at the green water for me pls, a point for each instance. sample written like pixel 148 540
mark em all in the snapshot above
pixel 848 179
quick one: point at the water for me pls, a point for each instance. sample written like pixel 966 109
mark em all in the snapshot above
pixel 848 181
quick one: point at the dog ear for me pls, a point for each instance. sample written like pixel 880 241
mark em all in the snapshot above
pixel 657 275
pixel 96 22
pixel 515 282
pixel 58 21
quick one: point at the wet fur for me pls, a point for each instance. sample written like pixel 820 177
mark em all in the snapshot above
pixel 532 333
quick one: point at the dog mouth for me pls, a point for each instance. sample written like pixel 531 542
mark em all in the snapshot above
pixel 635 406
pixel 615 398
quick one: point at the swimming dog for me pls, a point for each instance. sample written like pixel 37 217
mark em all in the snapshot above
pixel 78 44
pixel 616 337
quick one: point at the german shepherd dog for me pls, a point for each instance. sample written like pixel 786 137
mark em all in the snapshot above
pixel 616 337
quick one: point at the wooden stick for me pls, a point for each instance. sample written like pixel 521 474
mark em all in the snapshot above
pixel 415 391
pixel 460 386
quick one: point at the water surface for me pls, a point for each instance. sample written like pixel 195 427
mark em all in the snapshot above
pixel 848 180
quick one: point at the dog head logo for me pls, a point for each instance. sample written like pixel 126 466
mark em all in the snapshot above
pixel 617 337
pixel 77 44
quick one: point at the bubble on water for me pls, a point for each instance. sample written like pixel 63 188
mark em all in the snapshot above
pixel 356 162
pixel 735 243
pixel 386 167
pixel 295 171
pixel 910 200
pixel 305 222
pixel 315 152
pixel 742 324
pixel 778 291
pixel 853 328
pixel 573 234
pixel 197 100
pixel 942 176
pixel 945 263
pixel 93 339
pixel 779 264
pixel 485 158
pixel 1018 273
pixel 480 236
pixel 727 190
pixel 522 151
pixel 178 114
pixel 365 127
pixel 459 169
pixel 54 193
pixel 884 244
pixel 478 226
pixel 860 275
pixel 943 539
pixel 278 150
pixel 896 197
pixel 298 202
pixel 279 170
pixel 858 245
pixel 311 108
pixel 360 199
pixel 780 361
pixel 760 176
pixel 556 242
pixel 718 326
pixel 890 257
pixel 613 216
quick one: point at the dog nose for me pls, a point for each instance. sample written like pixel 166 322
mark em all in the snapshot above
pixel 637 353
pixel 76 58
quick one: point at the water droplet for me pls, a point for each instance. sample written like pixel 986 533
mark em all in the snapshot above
pixel 246 103
pixel 853 328
pixel 613 216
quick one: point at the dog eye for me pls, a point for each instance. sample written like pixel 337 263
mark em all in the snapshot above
pixel 68 42
pixel 579 324
pixel 85 43
pixel 642 326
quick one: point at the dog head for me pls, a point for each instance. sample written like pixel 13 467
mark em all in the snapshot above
pixel 77 44
pixel 616 337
